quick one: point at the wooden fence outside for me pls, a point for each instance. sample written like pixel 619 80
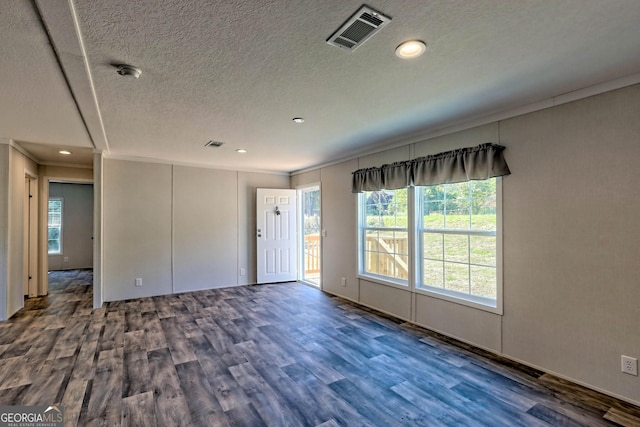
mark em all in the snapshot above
pixel 311 253
pixel 387 255
pixel 383 255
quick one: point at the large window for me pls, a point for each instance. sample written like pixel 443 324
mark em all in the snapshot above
pixel 384 237
pixel 443 239
pixel 55 226
pixel 457 247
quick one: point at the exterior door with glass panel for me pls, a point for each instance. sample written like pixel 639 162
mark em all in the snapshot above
pixel 276 241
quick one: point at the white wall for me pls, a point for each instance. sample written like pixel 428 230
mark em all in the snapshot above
pixel 178 228
pixel 77 226
pixel 18 166
pixel 98 230
pixel 137 229
pixel 4 226
pixel 339 256
pixel 571 241
pixel 205 228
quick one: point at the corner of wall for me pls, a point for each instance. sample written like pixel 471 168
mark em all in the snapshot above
pixel 98 291
pixel 4 225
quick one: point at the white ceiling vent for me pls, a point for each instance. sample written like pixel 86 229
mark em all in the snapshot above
pixel 362 25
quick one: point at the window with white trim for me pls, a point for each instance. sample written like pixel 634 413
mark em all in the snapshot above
pixel 457 234
pixel 54 225
pixel 384 236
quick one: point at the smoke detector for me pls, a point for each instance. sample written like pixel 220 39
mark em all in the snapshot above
pixel 128 70
pixel 359 28
pixel 214 144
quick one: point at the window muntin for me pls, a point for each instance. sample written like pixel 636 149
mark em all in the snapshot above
pixel 54 225
pixel 384 236
pixel 457 240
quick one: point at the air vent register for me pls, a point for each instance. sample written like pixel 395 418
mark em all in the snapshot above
pixel 358 29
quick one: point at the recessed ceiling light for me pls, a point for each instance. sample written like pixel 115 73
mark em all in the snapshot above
pixel 65 152
pixel 411 49
pixel 298 120
pixel 241 150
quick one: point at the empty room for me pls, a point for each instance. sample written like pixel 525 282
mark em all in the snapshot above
pixel 319 213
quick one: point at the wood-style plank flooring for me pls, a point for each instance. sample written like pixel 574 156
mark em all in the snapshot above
pixel 276 355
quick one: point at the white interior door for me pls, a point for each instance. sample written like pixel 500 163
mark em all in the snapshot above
pixel 276 240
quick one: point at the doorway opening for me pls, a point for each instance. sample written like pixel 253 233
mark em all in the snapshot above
pixel 310 232
pixel 69 233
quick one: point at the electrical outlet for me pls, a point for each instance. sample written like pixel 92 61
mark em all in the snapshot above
pixel 630 365
pixel 243 271
pixel 65 259
pixel 344 282
pixel 139 282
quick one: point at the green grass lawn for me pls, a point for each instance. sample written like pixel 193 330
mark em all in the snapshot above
pixel 446 272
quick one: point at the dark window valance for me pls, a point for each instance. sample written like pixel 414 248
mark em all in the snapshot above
pixel 472 163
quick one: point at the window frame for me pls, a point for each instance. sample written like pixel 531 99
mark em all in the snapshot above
pixel 362 232
pixel 61 200
pixel 482 303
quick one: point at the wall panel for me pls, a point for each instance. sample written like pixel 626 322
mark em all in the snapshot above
pixel 571 240
pixel 339 253
pixel 387 299
pixel 205 228
pixel 465 138
pixel 467 324
pixel 137 229
pixel 4 226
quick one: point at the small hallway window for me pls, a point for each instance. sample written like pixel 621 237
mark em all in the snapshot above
pixel 55 226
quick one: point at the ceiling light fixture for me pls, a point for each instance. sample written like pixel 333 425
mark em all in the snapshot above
pixel 411 49
pixel 128 70
pixel 241 150
pixel 65 152
pixel 298 120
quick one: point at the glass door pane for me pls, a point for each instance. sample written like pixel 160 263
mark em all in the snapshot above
pixel 310 223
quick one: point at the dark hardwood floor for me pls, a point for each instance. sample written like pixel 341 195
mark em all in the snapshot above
pixel 277 355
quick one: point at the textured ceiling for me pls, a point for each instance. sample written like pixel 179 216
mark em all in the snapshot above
pixel 35 102
pixel 239 71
